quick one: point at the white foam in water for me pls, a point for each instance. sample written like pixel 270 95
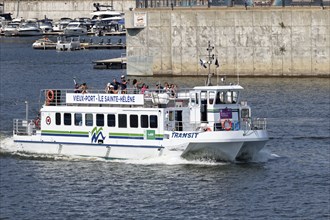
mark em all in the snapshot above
pixel 170 158
pixel 7 144
pixel 264 155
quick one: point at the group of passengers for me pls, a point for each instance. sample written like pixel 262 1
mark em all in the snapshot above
pixel 123 87
pixel 80 88
pixel 116 87
pixel 170 89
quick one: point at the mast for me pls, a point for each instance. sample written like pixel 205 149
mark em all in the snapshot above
pixel 209 62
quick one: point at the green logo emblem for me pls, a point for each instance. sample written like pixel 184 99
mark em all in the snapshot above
pixel 151 134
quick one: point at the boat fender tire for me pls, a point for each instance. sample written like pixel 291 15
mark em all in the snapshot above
pixel 227 125
pixel 50 95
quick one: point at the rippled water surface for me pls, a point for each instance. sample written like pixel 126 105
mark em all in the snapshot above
pixel 289 180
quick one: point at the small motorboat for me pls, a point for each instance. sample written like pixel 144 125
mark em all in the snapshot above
pixel 44 43
pixel 68 43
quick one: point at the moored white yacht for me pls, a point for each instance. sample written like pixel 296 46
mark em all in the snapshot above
pixel 10 29
pixel 29 29
pixel 75 28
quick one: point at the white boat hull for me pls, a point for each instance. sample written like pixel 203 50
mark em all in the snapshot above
pixel 65 148
pixel 220 146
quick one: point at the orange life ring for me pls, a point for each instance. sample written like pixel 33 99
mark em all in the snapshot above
pixel 227 124
pixel 50 95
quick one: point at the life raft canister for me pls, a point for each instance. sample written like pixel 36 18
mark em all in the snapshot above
pixel 227 125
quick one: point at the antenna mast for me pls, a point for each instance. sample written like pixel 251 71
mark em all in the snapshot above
pixel 209 62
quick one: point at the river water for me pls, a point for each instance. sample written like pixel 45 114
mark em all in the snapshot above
pixel 290 179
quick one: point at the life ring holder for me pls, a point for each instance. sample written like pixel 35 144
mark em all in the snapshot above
pixel 50 96
pixel 227 124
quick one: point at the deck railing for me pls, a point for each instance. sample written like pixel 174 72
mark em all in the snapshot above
pixel 54 97
pixel 25 127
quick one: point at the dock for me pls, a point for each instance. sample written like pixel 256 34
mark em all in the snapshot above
pixel 86 46
pixel 115 63
pixel 103 46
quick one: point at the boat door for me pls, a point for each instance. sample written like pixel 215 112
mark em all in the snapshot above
pixel 195 112
pixel 203 106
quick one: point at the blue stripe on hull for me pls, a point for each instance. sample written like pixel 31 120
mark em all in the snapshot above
pixel 91 145
pixel 66 135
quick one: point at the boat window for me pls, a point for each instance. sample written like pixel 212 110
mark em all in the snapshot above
pixel 89 119
pixel 122 121
pixel 67 118
pixel 78 119
pixel 217 99
pixel 100 120
pixel 144 121
pixel 153 121
pixel 245 113
pixel 111 120
pixel 197 100
pixel 211 97
pixel 231 97
pixel 235 97
pixel 171 116
pixel 133 121
pixel 58 118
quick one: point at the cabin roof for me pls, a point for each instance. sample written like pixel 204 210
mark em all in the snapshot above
pixel 225 87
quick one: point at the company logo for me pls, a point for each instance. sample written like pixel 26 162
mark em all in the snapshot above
pixel 97 135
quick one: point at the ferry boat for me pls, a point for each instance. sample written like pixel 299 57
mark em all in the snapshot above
pixel 204 122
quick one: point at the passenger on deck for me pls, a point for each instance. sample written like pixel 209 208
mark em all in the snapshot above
pixel 166 87
pixel 112 91
pixel 123 85
pixel 107 88
pixel 136 88
pixel 83 88
pixel 144 88
pixel 173 89
pixel 159 88
pixel 76 88
pixel 115 84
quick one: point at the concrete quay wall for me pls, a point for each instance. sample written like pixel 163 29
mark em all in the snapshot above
pixel 253 42
pixel 60 8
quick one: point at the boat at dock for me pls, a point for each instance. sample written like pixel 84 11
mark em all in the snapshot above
pixel 29 29
pixel 68 43
pixel 75 28
pixel 44 44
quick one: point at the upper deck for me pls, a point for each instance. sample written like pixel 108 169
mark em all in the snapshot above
pixel 227 94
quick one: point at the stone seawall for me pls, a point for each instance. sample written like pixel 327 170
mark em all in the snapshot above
pixel 258 41
pixel 60 8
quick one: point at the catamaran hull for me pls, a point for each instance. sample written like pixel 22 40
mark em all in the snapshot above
pixel 225 146
pixel 230 151
pixel 107 151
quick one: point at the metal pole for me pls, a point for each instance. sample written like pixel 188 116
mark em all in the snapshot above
pixel 27 116
pixel 26 110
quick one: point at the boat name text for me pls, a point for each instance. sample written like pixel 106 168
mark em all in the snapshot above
pixel 184 135
pixel 105 99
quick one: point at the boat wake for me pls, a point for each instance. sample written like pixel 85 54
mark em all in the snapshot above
pixel 169 157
